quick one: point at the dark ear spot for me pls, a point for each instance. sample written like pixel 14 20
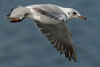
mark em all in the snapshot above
pixel 68 13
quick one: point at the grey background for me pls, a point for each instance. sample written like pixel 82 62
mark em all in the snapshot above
pixel 22 45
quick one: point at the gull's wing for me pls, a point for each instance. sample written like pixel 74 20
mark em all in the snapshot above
pixel 51 11
pixel 60 37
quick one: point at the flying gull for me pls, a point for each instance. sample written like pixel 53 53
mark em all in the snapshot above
pixel 51 21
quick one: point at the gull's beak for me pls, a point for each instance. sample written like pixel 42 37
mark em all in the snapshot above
pixel 82 17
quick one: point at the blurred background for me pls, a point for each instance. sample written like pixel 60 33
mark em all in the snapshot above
pixel 22 45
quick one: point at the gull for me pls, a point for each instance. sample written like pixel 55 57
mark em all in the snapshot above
pixel 51 21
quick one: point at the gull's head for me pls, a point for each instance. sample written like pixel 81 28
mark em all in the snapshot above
pixel 17 14
pixel 72 13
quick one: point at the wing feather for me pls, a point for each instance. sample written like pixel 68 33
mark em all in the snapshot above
pixel 51 11
pixel 60 38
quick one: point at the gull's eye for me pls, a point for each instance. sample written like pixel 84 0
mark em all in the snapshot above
pixel 74 13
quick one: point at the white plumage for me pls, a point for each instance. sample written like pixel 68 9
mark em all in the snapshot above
pixel 50 20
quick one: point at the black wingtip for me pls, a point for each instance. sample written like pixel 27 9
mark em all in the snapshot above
pixel 70 54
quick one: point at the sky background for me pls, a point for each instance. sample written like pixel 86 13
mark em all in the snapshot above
pixel 22 45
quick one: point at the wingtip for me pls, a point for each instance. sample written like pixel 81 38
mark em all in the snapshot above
pixel 70 54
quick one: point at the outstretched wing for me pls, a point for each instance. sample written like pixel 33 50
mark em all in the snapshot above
pixel 60 37
pixel 51 11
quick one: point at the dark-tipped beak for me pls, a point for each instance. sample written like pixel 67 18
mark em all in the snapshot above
pixel 82 17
